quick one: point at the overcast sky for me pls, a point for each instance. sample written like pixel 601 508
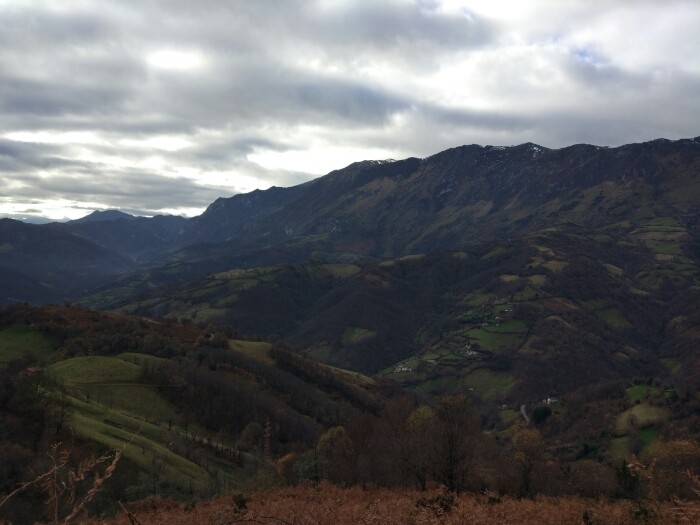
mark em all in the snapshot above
pixel 163 106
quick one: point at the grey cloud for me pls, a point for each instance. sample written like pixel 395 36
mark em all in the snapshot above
pixel 19 156
pixel 94 182
pixel 340 29
pixel 48 29
pixel 348 101
pixel 13 149
pixel 147 191
pixel 410 32
pixel 29 97
pixel 273 91
pixel 495 120
pixel 133 190
pixel 230 150
pixel 275 68
pixel 237 90
pixel 599 73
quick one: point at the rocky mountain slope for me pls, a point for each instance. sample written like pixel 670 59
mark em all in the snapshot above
pixel 464 196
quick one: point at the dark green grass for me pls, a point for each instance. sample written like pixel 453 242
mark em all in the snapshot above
pixel 495 342
pixel 18 341
pixel 489 384
pixel 114 383
pixel 637 393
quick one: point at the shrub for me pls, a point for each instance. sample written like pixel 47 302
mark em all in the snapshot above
pixel 440 504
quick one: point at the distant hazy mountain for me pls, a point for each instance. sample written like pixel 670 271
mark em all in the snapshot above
pixel 106 215
pixel 133 237
pixel 43 263
pixel 28 219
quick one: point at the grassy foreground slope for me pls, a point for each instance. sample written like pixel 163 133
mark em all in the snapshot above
pixel 187 405
pixel 113 406
pixel 16 341
pixel 196 410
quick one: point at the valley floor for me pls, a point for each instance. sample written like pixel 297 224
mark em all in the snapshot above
pixel 327 504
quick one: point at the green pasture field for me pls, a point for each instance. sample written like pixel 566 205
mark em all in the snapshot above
pixel 489 384
pixel 18 341
pixel 555 265
pixel 440 385
pixel 665 247
pixel 640 416
pixel 341 270
pixel 140 359
pixel 112 407
pixel 619 449
pixel 256 349
pixel 114 383
pixel 613 318
pixel 510 326
pixel 508 416
pixel 613 270
pixel 227 301
pixel 672 363
pixel 353 335
pixel 139 441
pixel 493 341
pixel 537 280
pixel 663 221
pixel 649 436
pixel 526 294
pixel 637 393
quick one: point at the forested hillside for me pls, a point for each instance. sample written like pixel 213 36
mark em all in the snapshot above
pixel 519 321
pixel 194 409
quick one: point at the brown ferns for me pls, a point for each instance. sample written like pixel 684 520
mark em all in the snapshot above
pixel 63 483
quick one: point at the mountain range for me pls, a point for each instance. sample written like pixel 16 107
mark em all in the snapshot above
pixel 361 267
pixel 558 282
pixel 458 198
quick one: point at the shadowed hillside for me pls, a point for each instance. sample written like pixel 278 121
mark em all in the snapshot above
pixel 456 199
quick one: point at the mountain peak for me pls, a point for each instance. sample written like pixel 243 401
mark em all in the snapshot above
pixel 104 215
